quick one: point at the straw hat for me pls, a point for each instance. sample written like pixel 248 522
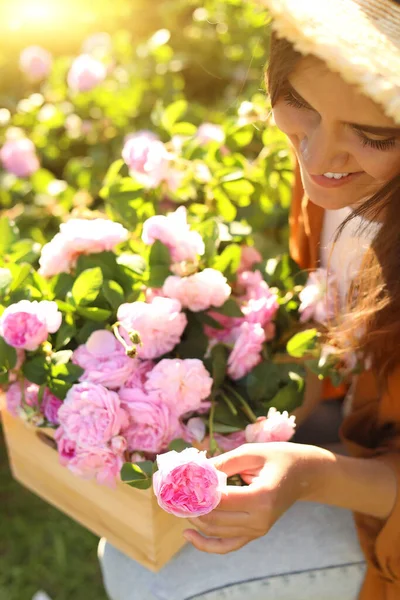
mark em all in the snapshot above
pixel 359 39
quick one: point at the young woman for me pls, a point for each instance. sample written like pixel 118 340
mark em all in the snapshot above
pixel 334 81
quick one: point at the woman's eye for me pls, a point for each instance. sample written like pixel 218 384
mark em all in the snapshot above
pixel 383 145
pixel 293 101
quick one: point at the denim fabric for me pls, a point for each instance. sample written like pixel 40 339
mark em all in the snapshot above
pixel 312 553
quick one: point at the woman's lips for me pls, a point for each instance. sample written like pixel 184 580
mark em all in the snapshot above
pixel 325 182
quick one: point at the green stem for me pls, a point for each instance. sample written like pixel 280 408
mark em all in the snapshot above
pixel 213 443
pixel 229 402
pixel 245 406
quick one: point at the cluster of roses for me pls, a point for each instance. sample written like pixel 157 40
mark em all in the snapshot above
pixel 132 408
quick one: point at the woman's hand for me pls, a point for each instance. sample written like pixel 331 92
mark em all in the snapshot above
pixel 277 474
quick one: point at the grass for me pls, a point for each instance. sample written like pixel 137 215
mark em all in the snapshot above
pixel 41 548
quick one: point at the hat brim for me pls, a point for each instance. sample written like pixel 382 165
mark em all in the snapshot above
pixel 359 39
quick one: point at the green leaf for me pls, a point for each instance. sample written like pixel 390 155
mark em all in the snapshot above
pixel 113 172
pixel 134 262
pixel 209 231
pixel 137 475
pixel 86 330
pixel 219 361
pixel 229 309
pixel 262 383
pixel 225 208
pixel 302 343
pixel 159 263
pixel 94 313
pixel 5 279
pixel 8 235
pixel 113 293
pixel 229 260
pixel 240 187
pixel 178 445
pixel 59 387
pixel 36 370
pixel 8 356
pixel 222 428
pixel 64 335
pixel 66 372
pixel 87 286
pixel 65 307
pixel 61 357
pixel 19 277
pixel 288 398
pixel 173 113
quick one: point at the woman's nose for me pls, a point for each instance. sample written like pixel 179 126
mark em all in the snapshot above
pixel 321 153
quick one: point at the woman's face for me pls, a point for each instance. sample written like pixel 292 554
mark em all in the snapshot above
pixel 336 131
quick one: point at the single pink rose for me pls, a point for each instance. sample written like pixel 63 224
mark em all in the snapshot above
pixel 276 427
pixel 246 353
pixel 319 297
pixel 86 73
pixel 14 399
pixel 18 156
pixel 174 232
pixel 152 424
pixel 50 407
pixel 139 376
pixel 99 463
pixel 199 291
pixel 209 132
pixel 160 325
pixel 187 484
pixel 181 384
pixel 91 415
pixel 66 447
pixel 250 257
pixel 76 237
pixel 259 304
pixel 148 159
pixel 27 324
pixel 35 62
pixel 104 360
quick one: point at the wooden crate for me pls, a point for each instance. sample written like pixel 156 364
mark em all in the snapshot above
pixel 129 518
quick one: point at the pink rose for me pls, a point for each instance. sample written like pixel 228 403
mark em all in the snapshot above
pixel 91 415
pixel 86 73
pixel 148 159
pixel 276 427
pixel 27 324
pixel 187 484
pixel 139 376
pixel 104 360
pixel 199 291
pixel 319 297
pixel 18 156
pixel 99 463
pixel 250 257
pixel 35 62
pixel 209 132
pixel 259 303
pixel 14 400
pixel 159 324
pixel 50 407
pixel 152 424
pixel 230 441
pixel 66 447
pixel 181 384
pixel 246 353
pixel 76 237
pixel 174 232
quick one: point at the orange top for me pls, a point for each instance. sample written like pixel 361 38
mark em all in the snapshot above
pixel 371 430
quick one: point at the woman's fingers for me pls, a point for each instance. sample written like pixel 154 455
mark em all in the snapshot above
pixel 214 545
pixel 223 524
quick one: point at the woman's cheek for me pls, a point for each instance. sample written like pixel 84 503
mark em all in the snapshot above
pixel 381 166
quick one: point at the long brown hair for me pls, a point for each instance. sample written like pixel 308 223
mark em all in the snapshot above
pixel 372 323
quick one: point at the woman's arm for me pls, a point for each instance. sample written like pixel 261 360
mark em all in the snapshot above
pixel 280 474
pixel 364 485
